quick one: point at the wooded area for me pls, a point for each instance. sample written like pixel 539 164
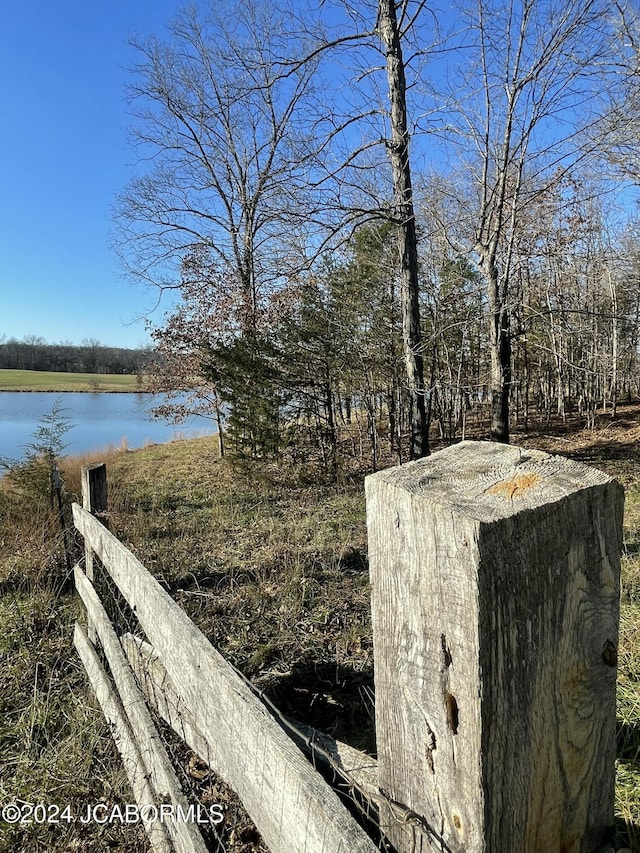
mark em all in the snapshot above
pixel 384 221
pixel 34 353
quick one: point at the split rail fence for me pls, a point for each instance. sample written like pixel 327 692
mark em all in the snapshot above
pixel 495 610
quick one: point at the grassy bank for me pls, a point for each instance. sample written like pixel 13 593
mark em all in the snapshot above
pixel 272 571
pixel 42 380
pixel 272 566
pixel 54 746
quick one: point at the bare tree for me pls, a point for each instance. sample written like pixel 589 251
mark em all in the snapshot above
pixel 521 123
pixel 617 132
pixel 404 215
pixel 242 157
pixel 362 127
pixel 220 159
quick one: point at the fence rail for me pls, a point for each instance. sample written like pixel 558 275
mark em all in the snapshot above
pixel 495 609
pixel 290 803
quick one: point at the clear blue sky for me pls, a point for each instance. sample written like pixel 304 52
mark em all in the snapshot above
pixel 63 155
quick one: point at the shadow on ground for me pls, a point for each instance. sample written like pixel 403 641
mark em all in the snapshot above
pixel 334 699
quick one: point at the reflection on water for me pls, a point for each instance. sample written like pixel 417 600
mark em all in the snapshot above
pixel 97 420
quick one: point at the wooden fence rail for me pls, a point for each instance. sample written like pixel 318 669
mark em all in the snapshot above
pixel 290 803
pixel 495 609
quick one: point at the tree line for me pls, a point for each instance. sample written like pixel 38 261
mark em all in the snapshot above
pixel 90 356
pixel 382 221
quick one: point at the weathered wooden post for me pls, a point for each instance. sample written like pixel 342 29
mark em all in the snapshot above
pixel 94 500
pixel 495 604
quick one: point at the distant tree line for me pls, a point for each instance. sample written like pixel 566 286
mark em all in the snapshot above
pixel 35 353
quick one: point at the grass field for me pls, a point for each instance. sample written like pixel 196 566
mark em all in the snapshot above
pixel 272 566
pixel 42 380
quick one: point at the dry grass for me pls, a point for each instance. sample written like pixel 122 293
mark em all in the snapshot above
pixel 275 577
pixel 71 466
pixel 270 573
pixel 54 745
pixel 628 766
pixel 273 568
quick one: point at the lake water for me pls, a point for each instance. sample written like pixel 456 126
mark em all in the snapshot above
pixel 98 420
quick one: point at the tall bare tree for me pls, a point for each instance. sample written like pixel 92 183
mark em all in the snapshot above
pixel 236 157
pixel 220 160
pixel 367 132
pixel 397 146
pixel 529 99
pixel 618 132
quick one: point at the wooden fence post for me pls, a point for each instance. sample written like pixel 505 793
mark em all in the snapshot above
pixel 495 605
pixel 94 500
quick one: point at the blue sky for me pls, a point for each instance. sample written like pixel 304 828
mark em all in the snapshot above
pixel 63 156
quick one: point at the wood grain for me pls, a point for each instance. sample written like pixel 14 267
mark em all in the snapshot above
pixel 155 763
pixel 495 607
pixel 124 738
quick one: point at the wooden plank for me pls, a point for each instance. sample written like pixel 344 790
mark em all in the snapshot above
pixel 291 805
pixel 94 488
pixel 123 736
pixel 94 500
pixel 157 766
pixel 495 607
pixel 162 695
pixel 358 770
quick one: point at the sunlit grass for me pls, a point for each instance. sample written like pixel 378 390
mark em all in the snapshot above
pixel 42 380
pixel 628 713
pixel 272 568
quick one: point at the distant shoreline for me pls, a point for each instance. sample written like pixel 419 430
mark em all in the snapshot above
pixel 75 391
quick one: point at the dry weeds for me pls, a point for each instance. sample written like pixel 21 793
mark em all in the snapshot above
pixel 273 569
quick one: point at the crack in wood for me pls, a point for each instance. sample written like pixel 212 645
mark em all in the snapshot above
pixel 452 712
pixel 430 748
pixel 446 653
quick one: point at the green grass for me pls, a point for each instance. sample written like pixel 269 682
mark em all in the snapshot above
pixel 628 766
pixel 42 380
pixel 628 693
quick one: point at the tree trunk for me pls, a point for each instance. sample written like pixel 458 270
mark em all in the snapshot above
pixel 331 433
pixel 500 344
pixel 220 433
pixel 500 377
pixel 614 345
pixel 398 150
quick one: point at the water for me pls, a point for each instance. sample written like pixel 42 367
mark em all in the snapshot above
pixel 98 420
